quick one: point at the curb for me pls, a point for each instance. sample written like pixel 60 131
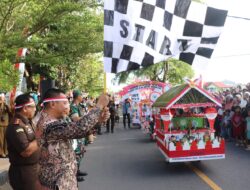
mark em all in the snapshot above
pixel 3 177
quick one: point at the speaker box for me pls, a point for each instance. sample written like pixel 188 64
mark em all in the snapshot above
pixel 45 85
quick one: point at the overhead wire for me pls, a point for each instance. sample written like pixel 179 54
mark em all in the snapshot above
pixel 235 55
pixel 238 17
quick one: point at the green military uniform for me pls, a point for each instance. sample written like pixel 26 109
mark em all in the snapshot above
pixel 4 122
pixel 23 172
pixel 75 111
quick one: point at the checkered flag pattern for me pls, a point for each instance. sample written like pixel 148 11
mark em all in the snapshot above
pixel 139 33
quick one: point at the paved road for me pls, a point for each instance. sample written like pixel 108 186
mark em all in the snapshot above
pixel 128 160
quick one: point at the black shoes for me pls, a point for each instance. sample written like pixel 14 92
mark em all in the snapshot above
pixel 79 176
pixel 80 179
pixel 80 173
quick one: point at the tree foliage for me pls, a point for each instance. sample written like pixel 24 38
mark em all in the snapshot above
pixel 90 71
pixel 173 71
pixel 9 77
pixel 179 70
pixel 58 33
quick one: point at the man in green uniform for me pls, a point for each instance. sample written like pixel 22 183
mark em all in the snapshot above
pixel 75 107
pixel 22 145
pixel 75 115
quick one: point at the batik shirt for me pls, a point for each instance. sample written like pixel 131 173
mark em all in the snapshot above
pixel 57 161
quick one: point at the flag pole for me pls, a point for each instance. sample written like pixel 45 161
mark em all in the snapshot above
pixel 105 83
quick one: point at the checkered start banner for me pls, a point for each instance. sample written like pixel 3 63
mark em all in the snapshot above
pixel 139 33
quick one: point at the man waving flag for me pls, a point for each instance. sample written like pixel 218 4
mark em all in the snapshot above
pixel 139 33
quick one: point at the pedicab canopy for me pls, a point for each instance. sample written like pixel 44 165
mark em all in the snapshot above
pixel 189 136
pixel 186 95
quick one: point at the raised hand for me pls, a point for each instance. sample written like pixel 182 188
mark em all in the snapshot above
pixel 103 101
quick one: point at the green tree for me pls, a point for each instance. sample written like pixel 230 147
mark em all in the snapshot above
pixel 9 76
pixel 89 75
pixel 178 70
pixel 172 71
pixel 57 33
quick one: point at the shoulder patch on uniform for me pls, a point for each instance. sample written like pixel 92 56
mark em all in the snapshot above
pixel 19 130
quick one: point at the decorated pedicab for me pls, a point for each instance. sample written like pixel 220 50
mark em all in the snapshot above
pixel 142 95
pixel 184 118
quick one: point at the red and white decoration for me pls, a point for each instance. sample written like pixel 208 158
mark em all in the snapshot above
pixel 211 114
pixel 20 66
pixel 194 151
pixel 174 145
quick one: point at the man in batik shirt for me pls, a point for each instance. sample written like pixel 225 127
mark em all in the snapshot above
pixel 57 161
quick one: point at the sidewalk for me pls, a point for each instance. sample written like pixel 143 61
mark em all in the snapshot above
pixel 4 166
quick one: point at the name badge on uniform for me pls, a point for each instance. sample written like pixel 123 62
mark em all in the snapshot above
pixel 29 130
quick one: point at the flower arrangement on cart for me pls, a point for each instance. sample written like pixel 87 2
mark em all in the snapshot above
pixel 184 124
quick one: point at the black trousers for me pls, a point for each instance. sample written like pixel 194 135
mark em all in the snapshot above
pixel 126 115
pixel 23 177
pixel 98 128
pixel 111 121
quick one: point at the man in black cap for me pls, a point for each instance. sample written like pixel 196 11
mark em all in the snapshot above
pixel 22 145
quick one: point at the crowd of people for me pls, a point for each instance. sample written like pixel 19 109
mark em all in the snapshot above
pixel 233 120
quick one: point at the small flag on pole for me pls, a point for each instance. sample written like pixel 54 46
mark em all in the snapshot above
pixel 139 33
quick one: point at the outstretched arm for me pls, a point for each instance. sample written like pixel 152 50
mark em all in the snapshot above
pixel 71 130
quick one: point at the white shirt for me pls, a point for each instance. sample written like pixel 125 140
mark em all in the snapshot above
pixel 243 103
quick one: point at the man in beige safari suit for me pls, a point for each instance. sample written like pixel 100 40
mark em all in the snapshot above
pixel 4 122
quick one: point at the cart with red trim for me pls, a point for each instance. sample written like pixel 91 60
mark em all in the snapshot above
pixel 184 118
